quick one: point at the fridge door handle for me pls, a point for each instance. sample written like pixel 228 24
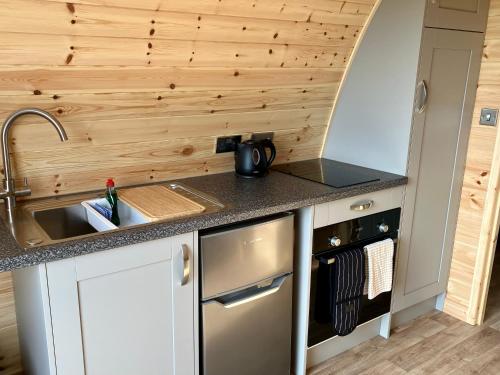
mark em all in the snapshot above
pixel 253 294
pixel 185 265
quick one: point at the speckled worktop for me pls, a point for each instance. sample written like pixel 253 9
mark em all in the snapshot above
pixel 243 199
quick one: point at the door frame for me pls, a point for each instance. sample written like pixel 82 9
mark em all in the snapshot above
pixel 487 242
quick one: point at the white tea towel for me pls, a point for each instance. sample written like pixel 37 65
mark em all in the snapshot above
pixel 378 267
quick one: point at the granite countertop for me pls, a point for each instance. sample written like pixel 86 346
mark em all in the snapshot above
pixel 243 199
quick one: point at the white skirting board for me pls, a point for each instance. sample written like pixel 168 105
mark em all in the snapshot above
pixel 336 345
pixel 413 312
pixel 440 300
pixel 380 326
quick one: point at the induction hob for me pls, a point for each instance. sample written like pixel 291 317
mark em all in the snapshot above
pixel 330 172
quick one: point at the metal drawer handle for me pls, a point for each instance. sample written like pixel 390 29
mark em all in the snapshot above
pixel 422 88
pixel 267 291
pixel 362 206
pixel 185 264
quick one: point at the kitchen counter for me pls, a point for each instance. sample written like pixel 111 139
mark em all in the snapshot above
pixel 243 199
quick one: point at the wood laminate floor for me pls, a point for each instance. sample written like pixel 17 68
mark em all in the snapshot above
pixel 435 343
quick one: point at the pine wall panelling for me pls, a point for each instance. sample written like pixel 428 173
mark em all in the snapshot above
pixel 466 269
pixel 107 66
pixel 144 87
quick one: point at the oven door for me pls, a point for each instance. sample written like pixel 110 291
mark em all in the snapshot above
pixel 320 326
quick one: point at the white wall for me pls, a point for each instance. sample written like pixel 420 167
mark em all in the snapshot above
pixel 372 121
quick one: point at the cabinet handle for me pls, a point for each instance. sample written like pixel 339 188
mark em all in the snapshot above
pixel 185 264
pixel 362 206
pixel 424 93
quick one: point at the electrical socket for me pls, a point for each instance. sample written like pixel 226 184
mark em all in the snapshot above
pixel 488 117
pixel 227 144
pixel 262 136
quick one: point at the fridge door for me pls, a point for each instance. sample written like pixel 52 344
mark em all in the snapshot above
pixel 234 258
pixel 249 332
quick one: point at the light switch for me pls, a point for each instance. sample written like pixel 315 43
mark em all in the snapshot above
pixel 489 117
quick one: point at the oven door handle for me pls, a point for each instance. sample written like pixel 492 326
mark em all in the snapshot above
pixel 328 256
pixel 253 295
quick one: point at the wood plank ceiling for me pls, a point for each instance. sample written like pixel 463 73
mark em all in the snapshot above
pixel 144 87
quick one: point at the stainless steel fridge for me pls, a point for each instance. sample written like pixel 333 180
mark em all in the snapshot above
pixel 246 298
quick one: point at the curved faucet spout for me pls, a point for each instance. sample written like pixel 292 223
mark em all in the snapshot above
pixel 10 193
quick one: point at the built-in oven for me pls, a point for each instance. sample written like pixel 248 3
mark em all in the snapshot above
pixel 342 237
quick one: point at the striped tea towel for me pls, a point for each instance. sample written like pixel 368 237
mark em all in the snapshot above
pixel 379 267
pixel 347 281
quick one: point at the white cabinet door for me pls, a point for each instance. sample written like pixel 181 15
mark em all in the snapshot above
pixel 125 311
pixel 448 75
pixel 469 15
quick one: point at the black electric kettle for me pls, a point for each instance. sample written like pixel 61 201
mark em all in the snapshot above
pixel 251 159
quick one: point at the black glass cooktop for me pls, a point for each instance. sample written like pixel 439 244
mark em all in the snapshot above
pixel 330 172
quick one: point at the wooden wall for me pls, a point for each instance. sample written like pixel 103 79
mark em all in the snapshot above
pixel 478 189
pixel 144 87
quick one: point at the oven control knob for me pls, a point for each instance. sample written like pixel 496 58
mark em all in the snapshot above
pixel 334 241
pixel 383 228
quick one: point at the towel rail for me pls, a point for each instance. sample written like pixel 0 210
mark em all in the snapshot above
pixel 332 260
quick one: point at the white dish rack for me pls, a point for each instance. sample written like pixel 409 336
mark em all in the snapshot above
pixel 128 215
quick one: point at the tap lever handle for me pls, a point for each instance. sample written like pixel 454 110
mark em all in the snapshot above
pixel 24 190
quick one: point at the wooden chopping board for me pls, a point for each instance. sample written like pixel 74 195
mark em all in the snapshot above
pixel 159 203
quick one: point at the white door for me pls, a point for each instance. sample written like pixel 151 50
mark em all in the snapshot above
pixel 126 311
pixel 448 76
pixel 469 15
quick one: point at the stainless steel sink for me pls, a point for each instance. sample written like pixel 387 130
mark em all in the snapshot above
pixel 64 222
pixel 51 220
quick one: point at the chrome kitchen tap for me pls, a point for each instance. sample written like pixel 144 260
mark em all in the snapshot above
pixel 9 192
